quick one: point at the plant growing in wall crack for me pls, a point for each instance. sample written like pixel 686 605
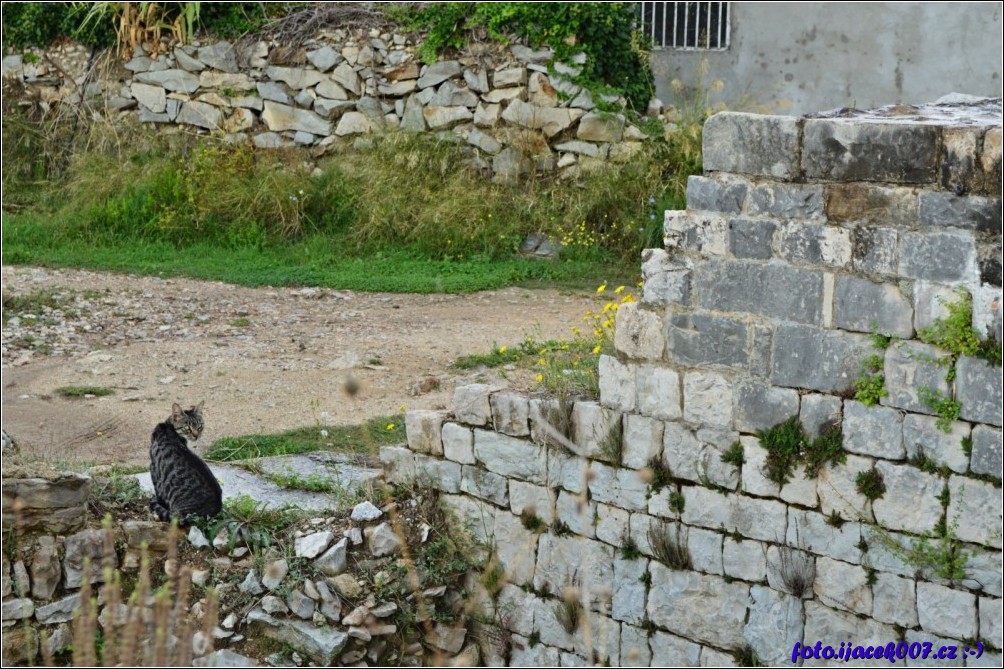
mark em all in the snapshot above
pixel 788 445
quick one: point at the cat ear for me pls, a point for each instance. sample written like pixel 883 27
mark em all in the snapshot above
pixel 176 411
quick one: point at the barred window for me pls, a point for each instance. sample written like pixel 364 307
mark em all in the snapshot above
pixel 686 25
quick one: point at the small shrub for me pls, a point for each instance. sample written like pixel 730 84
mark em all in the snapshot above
pixel 747 657
pixel 870 484
pixel 676 501
pixel 734 455
pixel 784 444
pixel 797 571
pixel 569 610
pixel 659 474
pixel 669 548
pixel 869 388
pixel 531 521
pixel 630 550
pixel 955 332
pixel 946 408
pixel 827 448
pixel 835 520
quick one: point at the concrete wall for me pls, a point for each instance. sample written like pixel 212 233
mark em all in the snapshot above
pixel 802 57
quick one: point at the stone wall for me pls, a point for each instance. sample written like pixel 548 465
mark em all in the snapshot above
pixel 804 237
pixel 515 107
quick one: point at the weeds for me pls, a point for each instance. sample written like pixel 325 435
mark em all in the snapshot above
pixel 797 571
pixel 870 484
pixel 955 333
pixel 869 388
pixel 630 550
pixel 669 549
pixel 83 391
pixel 531 521
pixel 342 439
pixel 569 610
pixel 788 445
pixel 733 455
pixel 946 408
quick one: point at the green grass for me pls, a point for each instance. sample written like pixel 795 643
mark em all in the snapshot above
pixel 81 391
pixel 30 239
pixel 344 439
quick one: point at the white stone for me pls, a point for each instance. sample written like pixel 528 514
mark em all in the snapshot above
pixel 334 561
pixel 638 332
pixel 885 549
pixel 774 625
pixel 446 117
pixel 711 469
pixel 518 551
pixel 635 651
pixel 696 606
pixel 629 592
pixel 398 464
pixel 754 469
pixel 200 114
pixel 642 441
pixel 910 501
pixel 843 586
pixel 611 525
pixel 275 571
pixel 383 541
pixel 707 508
pixel 623 487
pixel 251 585
pixel 436 473
pixel 197 538
pixel 707 399
pixel 279 117
pixel 762 519
pixel 617 384
pixel 353 123
pixel 597 637
pixel 711 657
pixel 976 507
pixel 524 654
pixel 533 499
pixel 514 76
pixel 551 630
pixel 347 78
pixel 746 560
pixel 946 612
pixel 596 431
pixel 875 431
pixel 818 534
pixel 922 436
pixel 830 626
pixel 471 403
pixel 485 484
pixel 424 430
pixel 577 513
pixel 575 562
pixel 510 413
pixel 680 451
pixel 364 512
pixel 151 97
pixel 312 545
pixel 510 456
pixel 991 623
pixel 331 90
pixel 487 115
pixel 894 600
pixel 791 571
pixel 669 650
pixel 567 471
pixel 705 549
pixel 936 643
pixel 838 492
pixel 660 504
pixel 522 605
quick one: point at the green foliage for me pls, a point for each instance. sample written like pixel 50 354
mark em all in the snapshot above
pixel 870 386
pixel 668 546
pixel 835 519
pixel 827 448
pixel 531 521
pixel 734 455
pixel 676 502
pixel 925 464
pixel 747 657
pixel 955 332
pixel 880 341
pixel 234 19
pixel 939 553
pixel 616 58
pixel 870 484
pixel 630 550
pixel 946 408
pixel 383 430
pixel 784 444
pixel 81 391
pixel 39 24
pixel 660 474
pixel 967 446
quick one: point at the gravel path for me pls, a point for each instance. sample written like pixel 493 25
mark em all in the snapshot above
pixel 263 359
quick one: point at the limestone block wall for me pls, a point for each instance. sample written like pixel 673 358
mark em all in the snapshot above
pixel 644 528
pixel 516 108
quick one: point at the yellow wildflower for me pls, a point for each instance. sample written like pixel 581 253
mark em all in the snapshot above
pixel 503 349
pixel 390 426
pixel 602 288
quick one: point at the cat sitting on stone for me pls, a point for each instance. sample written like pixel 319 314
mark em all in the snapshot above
pixel 183 484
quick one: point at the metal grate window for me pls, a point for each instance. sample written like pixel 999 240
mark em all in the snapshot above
pixel 686 25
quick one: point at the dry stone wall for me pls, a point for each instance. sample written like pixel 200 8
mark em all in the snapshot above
pixel 631 530
pixel 516 108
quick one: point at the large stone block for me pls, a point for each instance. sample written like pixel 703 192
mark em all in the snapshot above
pixel 700 339
pixel 510 456
pixel 869 204
pixel 696 606
pixel 596 127
pixel 911 500
pixel 84 545
pixel 175 81
pixel 752 144
pixel 978 387
pixel 830 626
pixel 940 209
pixel 910 367
pixel 894 600
pixel 550 422
pixel 398 464
pixel 564 562
pixel 843 586
pixel 988 452
pixel 597 432
pixel 642 441
pixel 511 413
pixel 458 443
pixel 977 508
pixel 814 244
pixel 577 512
pixel 853 150
pixel 875 431
pixel 471 403
pixel 818 412
pixel 436 473
pixel 943 255
pixel 658 394
pixel 56 505
pixel 680 451
pixel 702 233
pixel 786 201
pixel 775 291
pixel 425 431
pixel 475 516
pixel 746 560
pixel 752 238
pixel 923 437
pixel 551 120
pixel 666 279
pixel 875 250
pixel 279 117
pixel 638 332
pixel 669 650
pixel 437 73
pixel 617 384
pixel 991 620
pixel 200 114
pixel 824 360
pixel 567 471
pixel 629 590
pixel 722 194
pixel 838 492
pixel 484 484
pixel 774 625
pixel 635 650
pixel 818 534
pixel 863 306
pixel 622 487
pixel 759 406
pixel 518 551
pixel 612 525
pixel 707 399
pixel 705 549
pixel 946 611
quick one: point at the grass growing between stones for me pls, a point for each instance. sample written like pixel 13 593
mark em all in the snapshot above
pixel 353 439
pixel 788 446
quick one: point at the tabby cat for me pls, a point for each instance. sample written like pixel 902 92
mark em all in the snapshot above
pixel 183 484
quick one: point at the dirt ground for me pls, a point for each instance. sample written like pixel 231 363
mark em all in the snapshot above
pixel 263 359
